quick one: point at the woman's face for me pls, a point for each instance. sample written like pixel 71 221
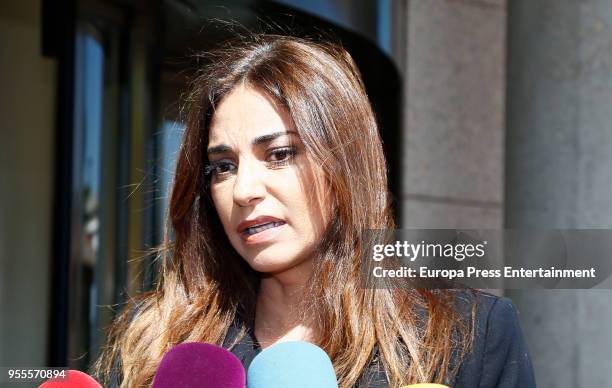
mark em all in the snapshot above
pixel 268 194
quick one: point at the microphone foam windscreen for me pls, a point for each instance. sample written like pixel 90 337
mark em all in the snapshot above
pixel 425 385
pixel 292 365
pixel 73 379
pixel 199 365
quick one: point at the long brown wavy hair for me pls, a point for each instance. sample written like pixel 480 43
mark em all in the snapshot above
pixel 205 286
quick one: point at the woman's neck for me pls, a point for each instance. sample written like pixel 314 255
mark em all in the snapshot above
pixel 279 315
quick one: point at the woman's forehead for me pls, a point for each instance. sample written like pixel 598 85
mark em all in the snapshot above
pixel 245 114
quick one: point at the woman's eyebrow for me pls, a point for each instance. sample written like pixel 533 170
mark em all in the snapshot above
pixel 220 149
pixel 223 148
pixel 269 137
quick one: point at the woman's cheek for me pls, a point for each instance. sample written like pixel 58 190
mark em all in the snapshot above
pixel 222 206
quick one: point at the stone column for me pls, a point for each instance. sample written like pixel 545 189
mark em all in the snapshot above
pixel 559 171
pixel 454 114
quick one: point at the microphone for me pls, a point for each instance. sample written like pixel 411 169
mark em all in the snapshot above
pixel 199 365
pixel 292 364
pixel 73 379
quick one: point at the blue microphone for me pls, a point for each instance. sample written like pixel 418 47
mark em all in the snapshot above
pixel 292 365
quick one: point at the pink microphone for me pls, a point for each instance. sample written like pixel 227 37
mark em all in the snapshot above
pixel 73 379
pixel 199 365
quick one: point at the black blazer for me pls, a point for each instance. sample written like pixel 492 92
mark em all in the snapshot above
pixel 499 356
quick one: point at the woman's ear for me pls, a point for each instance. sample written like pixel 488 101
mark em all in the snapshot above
pixel 322 193
pixel 329 198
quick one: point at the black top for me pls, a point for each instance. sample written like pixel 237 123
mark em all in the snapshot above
pixel 499 357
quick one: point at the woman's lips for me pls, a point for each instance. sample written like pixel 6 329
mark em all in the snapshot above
pixel 256 221
pixel 260 229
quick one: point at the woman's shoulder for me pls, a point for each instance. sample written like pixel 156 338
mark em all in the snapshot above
pixel 499 356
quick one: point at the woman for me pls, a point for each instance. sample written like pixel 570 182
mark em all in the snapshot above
pixel 280 173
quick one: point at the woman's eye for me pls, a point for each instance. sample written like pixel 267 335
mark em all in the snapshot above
pixel 280 155
pixel 221 168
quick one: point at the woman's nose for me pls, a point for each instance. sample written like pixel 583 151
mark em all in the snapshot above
pixel 249 187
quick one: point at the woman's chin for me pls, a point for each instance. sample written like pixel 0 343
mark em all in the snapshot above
pixel 273 266
pixel 269 266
